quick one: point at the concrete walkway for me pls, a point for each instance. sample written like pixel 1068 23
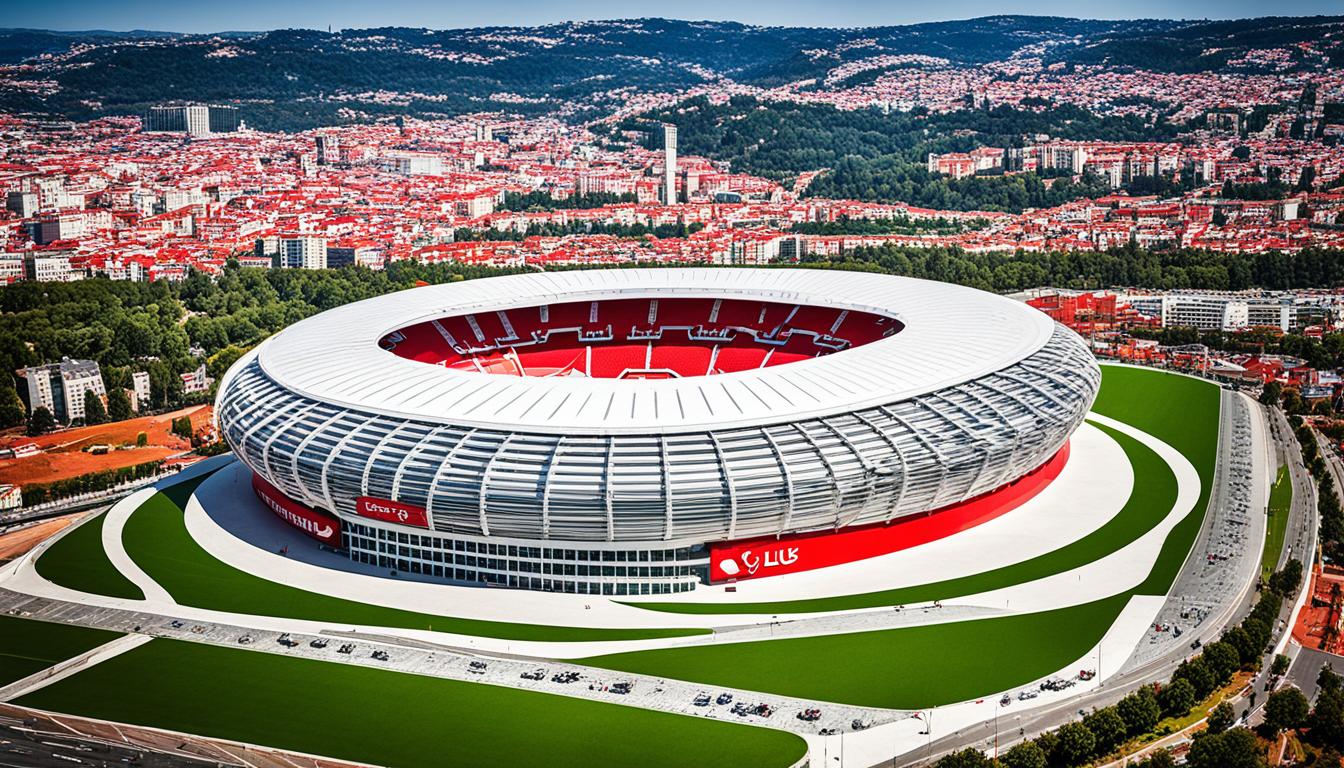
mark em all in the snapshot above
pixel 71 666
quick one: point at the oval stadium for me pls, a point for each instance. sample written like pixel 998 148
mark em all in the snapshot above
pixel 644 431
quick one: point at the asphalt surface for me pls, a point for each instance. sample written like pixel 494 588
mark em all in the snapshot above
pixel 25 744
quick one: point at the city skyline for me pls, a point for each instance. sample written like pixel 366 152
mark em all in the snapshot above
pixel 78 15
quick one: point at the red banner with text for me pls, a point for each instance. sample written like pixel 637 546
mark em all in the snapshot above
pixel 319 525
pixel 773 556
pixel 389 511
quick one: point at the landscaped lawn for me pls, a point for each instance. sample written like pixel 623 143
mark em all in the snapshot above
pixel 1184 413
pixel 157 539
pixel 28 646
pixel 394 719
pixel 911 668
pixel 77 561
pixel 1276 527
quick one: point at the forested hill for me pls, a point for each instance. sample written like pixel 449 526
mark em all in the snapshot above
pixel 300 78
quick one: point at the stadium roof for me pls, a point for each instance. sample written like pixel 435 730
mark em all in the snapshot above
pixel 952 334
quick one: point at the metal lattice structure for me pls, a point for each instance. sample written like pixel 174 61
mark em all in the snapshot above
pixel 858 454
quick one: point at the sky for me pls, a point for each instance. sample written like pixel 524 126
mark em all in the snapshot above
pixel 216 16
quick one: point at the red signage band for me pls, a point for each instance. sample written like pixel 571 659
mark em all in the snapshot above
pixel 791 553
pixel 389 511
pixel 318 525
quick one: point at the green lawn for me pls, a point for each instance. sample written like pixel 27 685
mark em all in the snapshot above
pixel 1276 527
pixel 393 719
pixel 157 539
pixel 1183 412
pixel 910 668
pixel 77 561
pixel 927 666
pixel 1152 499
pixel 28 647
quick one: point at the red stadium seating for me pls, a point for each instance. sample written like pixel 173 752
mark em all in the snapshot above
pixel 616 338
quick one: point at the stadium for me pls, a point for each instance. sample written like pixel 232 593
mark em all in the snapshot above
pixel 645 431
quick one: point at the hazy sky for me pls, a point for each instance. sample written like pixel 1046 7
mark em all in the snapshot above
pixel 218 15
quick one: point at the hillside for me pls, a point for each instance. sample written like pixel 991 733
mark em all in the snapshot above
pixel 291 79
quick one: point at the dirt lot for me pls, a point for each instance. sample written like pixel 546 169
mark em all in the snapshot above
pixel 63 456
pixel 15 543
pixel 46 467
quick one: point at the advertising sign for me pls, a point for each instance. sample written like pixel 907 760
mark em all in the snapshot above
pixel 389 511
pixel 319 525
pixel 776 555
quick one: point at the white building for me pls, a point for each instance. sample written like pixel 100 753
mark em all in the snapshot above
pixel 1271 313
pixel 197 381
pixel 139 392
pixel 303 252
pixel 60 387
pixel 414 164
pixel 22 203
pixel 47 268
pixel 669 163
pixel 1207 313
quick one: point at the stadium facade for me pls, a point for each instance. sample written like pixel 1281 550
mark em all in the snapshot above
pixel 643 431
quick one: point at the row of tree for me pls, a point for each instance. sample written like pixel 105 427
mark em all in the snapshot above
pixel 91 482
pixel 897 225
pixel 1128 266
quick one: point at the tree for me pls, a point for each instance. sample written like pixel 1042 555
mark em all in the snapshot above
pixel 1221 718
pixel 218 364
pixel 1327 680
pixel 1222 660
pixel 1327 718
pixel 141 440
pixel 1197 671
pixel 12 413
pixel 1286 709
pixel 119 405
pixel 1286 580
pixel 181 427
pixel 1160 759
pixel 1237 748
pixel 1280 665
pixel 1026 754
pixel 1076 744
pixel 1140 711
pixel 1269 395
pixel 1177 698
pixel 1107 727
pixel 40 421
pixel 1245 645
pixel 966 758
pixel 94 411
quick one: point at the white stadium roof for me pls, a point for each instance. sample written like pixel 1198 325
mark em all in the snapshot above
pixel 952 335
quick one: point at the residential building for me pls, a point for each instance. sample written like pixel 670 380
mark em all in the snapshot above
pixel 669 195
pixel 303 252
pixel 60 387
